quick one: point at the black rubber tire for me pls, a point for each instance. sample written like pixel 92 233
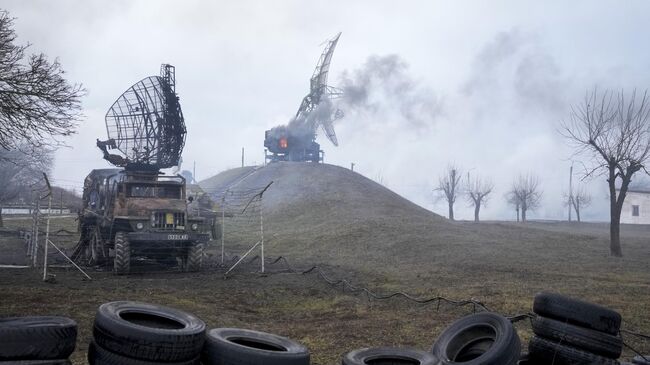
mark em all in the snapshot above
pixel 577 312
pixel 547 351
pixel 148 332
pixel 100 356
pixel 37 338
pixel 599 343
pixel 483 338
pixel 524 359
pixel 234 346
pixel 122 260
pixel 37 362
pixel 194 259
pixel 638 360
pixel 389 356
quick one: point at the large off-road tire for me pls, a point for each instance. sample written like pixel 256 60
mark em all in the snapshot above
pixel 37 338
pixel 194 257
pixel 546 351
pixel 148 332
pixel 483 338
pixel 389 356
pixel 95 250
pixel 100 356
pixel 122 261
pixel 233 346
pixel 577 312
pixel 599 343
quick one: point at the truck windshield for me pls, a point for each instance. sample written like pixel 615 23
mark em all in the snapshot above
pixel 154 191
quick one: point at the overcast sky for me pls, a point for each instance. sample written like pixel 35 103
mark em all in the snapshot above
pixel 483 85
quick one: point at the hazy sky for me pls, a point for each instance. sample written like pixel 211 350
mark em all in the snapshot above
pixel 481 84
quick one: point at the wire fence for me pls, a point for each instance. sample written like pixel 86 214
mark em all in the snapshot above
pixel 38 239
pixel 438 301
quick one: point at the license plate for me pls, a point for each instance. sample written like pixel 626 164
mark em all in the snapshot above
pixel 177 237
pixel 169 218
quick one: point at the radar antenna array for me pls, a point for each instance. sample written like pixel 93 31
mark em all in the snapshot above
pixel 321 92
pixel 146 125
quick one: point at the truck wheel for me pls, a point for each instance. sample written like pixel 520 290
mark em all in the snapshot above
pixel 122 262
pixel 96 250
pixel 194 259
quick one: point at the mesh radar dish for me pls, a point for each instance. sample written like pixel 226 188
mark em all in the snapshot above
pixel 296 141
pixel 320 92
pixel 146 125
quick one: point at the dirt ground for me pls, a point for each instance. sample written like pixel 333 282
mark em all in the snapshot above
pixel 500 264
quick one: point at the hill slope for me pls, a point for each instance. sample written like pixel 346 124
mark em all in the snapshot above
pixel 327 215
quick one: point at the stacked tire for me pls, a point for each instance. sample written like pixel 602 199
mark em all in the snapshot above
pixel 479 339
pixel 573 332
pixel 134 333
pixel 235 346
pixel 37 340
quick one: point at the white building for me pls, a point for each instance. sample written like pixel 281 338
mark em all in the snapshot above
pixel 636 207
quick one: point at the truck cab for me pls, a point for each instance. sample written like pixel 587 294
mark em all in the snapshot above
pixel 143 214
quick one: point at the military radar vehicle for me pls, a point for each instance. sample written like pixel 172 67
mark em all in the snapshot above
pixel 297 140
pixel 134 211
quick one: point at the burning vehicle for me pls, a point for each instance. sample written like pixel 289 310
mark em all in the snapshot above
pixel 296 141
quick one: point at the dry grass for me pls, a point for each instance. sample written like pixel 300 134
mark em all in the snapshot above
pixel 389 245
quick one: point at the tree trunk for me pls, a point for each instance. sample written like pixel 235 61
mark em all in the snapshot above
pixel 1 222
pixel 451 211
pixel 477 208
pixel 517 209
pixel 524 208
pixel 615 215
pixel 578 213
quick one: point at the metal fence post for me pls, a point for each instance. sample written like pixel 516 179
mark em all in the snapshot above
pixel 36 224
pixel 262 232
pixel 47 226
pixel 223 227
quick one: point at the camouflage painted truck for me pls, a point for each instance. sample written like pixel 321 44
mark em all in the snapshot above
pixel 135 211
pixel 142 215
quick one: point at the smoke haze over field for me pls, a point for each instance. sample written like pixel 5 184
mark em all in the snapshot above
pixel 428 83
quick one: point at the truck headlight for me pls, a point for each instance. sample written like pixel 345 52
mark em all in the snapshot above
pixel 194 226
pixel 139 225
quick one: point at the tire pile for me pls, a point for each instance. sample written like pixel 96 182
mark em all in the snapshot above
pixel 37 340
pixel 567 332
pixel 133 333
pixel 570 331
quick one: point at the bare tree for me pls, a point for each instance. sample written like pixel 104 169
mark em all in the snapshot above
pixel 525 194
pixel 478 191
pixel 581 199
pixel 448 187
pixel 37 104
pixel 513 200
pixel 613 132
pixel 19 171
